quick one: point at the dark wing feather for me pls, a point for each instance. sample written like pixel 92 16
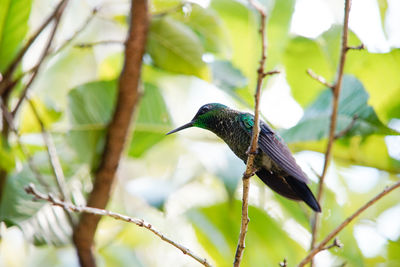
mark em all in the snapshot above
pixel 277 183
pixel 270 144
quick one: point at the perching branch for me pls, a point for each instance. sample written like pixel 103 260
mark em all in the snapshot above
pixel 335 103
pixel 337 230
pixel 117 131
pixel 30 189
pixel 254 139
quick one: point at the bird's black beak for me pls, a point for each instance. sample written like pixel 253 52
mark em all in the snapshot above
pixel 187 125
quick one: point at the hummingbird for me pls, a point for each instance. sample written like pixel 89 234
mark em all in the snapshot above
pixel 274 163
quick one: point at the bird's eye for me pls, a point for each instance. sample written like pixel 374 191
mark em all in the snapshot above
pixel 204 109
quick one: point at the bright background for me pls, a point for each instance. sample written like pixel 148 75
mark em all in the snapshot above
pixel 188 185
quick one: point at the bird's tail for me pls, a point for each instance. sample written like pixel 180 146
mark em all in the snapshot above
pixel 289 187
pixel 302 190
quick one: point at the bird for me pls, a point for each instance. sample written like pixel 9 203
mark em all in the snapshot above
pixel 274 163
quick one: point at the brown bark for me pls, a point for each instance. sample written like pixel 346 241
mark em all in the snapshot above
pixel 128 96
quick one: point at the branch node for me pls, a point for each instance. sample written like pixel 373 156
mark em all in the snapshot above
pixel 358 47
pixel 283 263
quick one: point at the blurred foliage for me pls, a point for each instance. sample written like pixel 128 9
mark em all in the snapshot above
pixel 187 185
pixel 14 17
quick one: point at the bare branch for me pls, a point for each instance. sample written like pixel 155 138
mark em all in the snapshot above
pixel 337 230
pixel 117 131
pixel 45 52
pixel 10 70
pixel 319 78
pixel 30 189
pixel 254 140
pixel 103 42
pixel 335 103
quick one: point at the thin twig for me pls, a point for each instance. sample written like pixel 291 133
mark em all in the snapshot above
pixel 10 121
pixel 272 72
pixel 319 78
pixel 52 154
pixel 13 65
pixel 335 103
pixel 54 161
pixel 337 230
pixel 347 129
pixel 254 140
pixel 57 18
pixel 78 31
pixel 103 42
pixel 30 189
pixel 336 243
pixel 358 47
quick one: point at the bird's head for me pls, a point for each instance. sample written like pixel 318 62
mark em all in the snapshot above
pixel 204 118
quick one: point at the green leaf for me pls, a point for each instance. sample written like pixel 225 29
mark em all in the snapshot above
pixel 152 123
pixel 208 26
pixel 164 5
pixel 41 222
pixel 217 228
pixel 302 54
pixel 176 48
pixel 29 122
pixel 7 162
pixel 353 101
pixel 379 74
pixel 393 253
pixel 90 109
pixel 111 67
pixel 14 15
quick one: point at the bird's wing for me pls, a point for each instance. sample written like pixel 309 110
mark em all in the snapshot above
pixel 271 144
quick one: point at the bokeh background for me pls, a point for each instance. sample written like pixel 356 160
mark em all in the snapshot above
pixel 188 185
